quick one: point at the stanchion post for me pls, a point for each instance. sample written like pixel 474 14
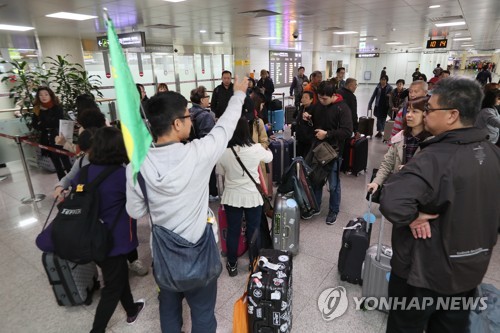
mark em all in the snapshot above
pixel 33 197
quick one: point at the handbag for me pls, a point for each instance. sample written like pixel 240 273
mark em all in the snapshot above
pixel 324 153
pixel 267 207
pixel 179 265
pixel 320 159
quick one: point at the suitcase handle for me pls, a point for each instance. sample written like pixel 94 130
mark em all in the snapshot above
pixel 379 247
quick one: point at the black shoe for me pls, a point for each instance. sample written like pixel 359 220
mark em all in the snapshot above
pixel 331 218
pixel 309 214
pixel 140 306
pixel 232 270
pixel 378 135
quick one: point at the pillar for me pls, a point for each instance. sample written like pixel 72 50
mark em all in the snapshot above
pixel 242 62
pixel 53 46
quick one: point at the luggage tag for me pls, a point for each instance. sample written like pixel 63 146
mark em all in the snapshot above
pixel 264 263
pixel 370 218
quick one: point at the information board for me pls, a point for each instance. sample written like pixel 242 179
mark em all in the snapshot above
pixel 283 67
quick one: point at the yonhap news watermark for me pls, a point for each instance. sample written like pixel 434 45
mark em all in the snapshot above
pixel 334 302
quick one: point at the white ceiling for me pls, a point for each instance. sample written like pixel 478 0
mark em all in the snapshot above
pixel 405 21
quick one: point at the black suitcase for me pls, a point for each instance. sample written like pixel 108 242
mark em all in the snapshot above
pixel 289 111
pixel 365 124
pixel 355 242
pixel 283 153
pixel 73 284
pixel 270 293
pixel 358 155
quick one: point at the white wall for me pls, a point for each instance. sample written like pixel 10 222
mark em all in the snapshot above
pixel 399 66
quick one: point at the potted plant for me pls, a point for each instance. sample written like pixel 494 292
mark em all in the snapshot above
pixel 24 79
pixel 69 80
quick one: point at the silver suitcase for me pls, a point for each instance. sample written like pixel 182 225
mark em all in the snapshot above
pixel 286 228
pixel 376 270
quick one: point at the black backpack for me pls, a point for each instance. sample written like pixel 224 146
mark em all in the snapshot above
pixel 78 233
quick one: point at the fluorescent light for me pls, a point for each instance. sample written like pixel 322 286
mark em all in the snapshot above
pixel 435 6
pixel 450 24
pixel 173 0
pixel 27 222
pixel 213 43
pixel 14 27
pixel 345 32
pixel 71 16
pixel 467 45
pixel 293 21
pixel 203 31
pixel 268 38
pixel 394 43
pixel 362 39
pixel 458 34
pixel 463 38
pixel 339 45
pixel 375 38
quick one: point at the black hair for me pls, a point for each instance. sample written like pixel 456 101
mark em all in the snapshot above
pixel 108 147
pixel 197 94
pixel 258 99
pixel 85 138
pixel 253 82
pixel 340 68
pixel 384 77
pixel 400 80
pixel 310 93
pixel 226 72
pixel 490 98
pixel 85 101
pixel 445 72
pixel 462 94
pixel 326 88
pixel 241 136
pixel 301 67
pixel 91 117
pixel 315 73
pixel 163 109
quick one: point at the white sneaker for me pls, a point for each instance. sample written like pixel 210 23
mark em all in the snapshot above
pixel 138 268
pixel 213 198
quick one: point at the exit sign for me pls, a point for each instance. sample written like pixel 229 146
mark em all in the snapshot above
pixel 437 44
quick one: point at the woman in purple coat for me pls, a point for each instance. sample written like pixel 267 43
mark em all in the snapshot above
pixel 108 149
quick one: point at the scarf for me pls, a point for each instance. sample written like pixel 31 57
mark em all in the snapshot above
pixel 48 105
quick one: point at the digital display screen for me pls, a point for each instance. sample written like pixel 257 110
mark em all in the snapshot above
pixel 437 44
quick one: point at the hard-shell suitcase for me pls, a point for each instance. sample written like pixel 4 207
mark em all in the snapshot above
pixel 289 111
pixel 388 130
pixel 270 293
pixel 358 155
pixel 242 243
pixel 355 242
pixel 283 153
pixel 365 124
pixel 377 270
pixel 73 284
pixel 277 120
pixel 286 228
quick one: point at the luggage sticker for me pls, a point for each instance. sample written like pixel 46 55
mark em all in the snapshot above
pixel 257 293
pixel 276 295
pixel 280 275
pixel 284 305
pixel 285 316
pixel 278 282
pixel 276 319
pixel 291 203
pixel 283 258
pixel 284 327
pixel 281 266
pixel 250 299
pixel 250 309
pixel 258 313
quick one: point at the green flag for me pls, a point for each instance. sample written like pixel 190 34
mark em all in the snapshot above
pixel 135 134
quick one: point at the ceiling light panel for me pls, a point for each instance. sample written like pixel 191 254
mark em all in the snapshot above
pixel 71 16
pixel 14 27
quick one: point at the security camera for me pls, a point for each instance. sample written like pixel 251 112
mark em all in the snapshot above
pixel 175 50
pixel 295 35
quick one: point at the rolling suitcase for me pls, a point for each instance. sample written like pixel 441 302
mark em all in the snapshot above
pixel 388 130
pixel 358 155
pixel 270 293
pixel 365 124
pixel 286 228
pixel 242 243
pixel 277 120
pixel 283 153
pixel 377 269
pixel 73 284
pixel 355 242
pixel 289 111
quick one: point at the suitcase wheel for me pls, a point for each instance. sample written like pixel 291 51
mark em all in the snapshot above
pixel 97 284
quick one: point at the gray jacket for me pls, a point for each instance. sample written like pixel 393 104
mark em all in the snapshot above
pixel 489 119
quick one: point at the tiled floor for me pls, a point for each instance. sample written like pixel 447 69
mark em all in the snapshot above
pixel 27 304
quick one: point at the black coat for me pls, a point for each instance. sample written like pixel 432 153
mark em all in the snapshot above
pixel 268 86
pixel 220 99
pixel 47 122
pixel 455 175
pixel 352 102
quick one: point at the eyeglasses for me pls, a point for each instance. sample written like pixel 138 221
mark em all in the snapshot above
pixel 428 110
pixel 205 97
pixel 183 117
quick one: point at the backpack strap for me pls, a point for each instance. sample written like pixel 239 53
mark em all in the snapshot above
pixel 82 180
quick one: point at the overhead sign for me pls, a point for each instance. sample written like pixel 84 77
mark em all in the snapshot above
pixel 283 66
pixel 437 43
pixel 367 55
pixel 127 40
